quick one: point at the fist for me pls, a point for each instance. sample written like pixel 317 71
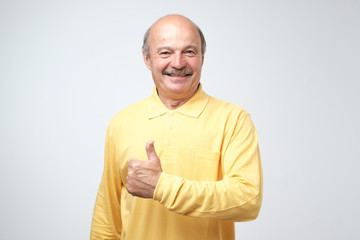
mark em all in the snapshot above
pixel 142 176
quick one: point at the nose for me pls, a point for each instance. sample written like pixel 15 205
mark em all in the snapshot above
pixel 178 61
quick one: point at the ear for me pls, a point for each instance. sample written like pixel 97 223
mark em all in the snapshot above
pixel 147 61
pixel 202 60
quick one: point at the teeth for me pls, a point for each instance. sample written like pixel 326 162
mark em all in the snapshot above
pixel 177 75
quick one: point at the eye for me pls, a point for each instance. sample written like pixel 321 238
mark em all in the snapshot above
pixel 190 52
pixel 164 53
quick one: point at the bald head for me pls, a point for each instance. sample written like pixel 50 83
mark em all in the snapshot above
pixel 176 21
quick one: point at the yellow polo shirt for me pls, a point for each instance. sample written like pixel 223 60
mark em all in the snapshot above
pixel 211 172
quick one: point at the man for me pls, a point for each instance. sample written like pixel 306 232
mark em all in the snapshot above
pixel 179 164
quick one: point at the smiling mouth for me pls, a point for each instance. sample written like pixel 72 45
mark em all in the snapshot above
pixel 178 72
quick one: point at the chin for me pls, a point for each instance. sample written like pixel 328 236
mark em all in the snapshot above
pixel 181 90
pixel 177 89
pixel 178 86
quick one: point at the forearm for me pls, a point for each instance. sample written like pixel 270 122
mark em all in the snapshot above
pixel 106 222
pixel 231 199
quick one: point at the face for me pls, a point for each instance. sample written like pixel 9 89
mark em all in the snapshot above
pixel 175 59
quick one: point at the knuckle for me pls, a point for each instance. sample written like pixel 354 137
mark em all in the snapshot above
pixel 129 187
pixel 130 164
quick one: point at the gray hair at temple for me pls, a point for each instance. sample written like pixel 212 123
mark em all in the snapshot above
pixel 145 47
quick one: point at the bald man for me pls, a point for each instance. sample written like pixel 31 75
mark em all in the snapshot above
pixel 180 164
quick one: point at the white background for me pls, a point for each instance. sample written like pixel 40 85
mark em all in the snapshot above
pixel 66 67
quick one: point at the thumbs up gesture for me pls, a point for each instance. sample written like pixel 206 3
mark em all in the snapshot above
pixel 142 176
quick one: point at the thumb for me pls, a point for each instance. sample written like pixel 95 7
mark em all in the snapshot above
pixel 150 151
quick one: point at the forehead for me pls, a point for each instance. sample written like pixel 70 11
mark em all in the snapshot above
pixel 174 32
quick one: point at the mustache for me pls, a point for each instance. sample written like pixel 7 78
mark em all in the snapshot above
pixel 178 72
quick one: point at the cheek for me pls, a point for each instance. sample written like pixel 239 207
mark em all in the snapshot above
pixel 160 62
pixel 195 64
pixel 159 66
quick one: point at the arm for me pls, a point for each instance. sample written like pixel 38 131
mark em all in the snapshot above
pixel 106 222
pixel 237 197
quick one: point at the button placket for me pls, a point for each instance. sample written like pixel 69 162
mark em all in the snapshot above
pixel 171 128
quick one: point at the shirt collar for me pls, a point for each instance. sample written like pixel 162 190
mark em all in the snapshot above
pixel 192 108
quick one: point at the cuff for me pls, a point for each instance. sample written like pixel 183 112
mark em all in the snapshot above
pixel 167 188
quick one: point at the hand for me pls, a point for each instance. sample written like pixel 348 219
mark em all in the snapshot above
pixel 142 176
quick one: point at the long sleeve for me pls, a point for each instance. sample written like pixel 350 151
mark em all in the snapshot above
pixel 236 197
pixel 106 222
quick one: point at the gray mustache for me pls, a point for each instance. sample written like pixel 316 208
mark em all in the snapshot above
pixel 177 72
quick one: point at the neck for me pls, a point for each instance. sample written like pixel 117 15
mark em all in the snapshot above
pixel 172 103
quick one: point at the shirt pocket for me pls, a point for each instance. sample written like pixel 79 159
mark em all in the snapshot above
pixel 206 166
